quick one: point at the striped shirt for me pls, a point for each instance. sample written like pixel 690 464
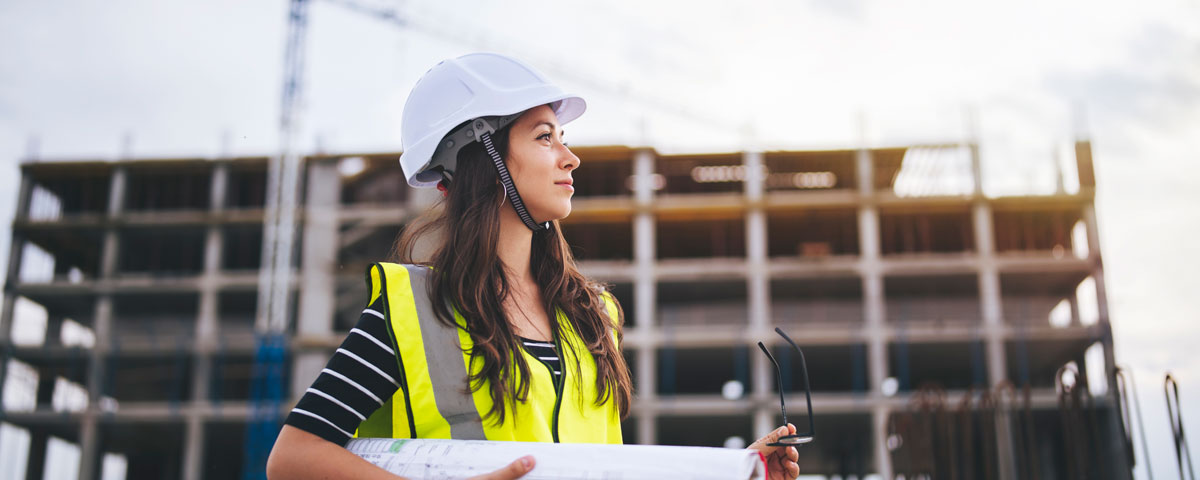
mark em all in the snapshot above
pixel 362 374
pixel 545 353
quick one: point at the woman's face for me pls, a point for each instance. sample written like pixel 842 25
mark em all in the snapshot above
pixel 541 164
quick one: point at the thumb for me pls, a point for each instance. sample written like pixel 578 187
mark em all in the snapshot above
pixel 778 432
pixel 761 443
pixel 517 469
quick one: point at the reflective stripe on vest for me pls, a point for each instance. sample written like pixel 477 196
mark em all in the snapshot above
pixel 434 361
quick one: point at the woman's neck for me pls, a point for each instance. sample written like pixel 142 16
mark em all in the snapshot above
pixel 514 247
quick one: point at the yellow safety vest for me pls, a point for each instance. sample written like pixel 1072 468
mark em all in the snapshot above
pixel 433 401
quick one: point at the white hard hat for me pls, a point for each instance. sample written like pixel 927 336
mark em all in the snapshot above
pixel 466 88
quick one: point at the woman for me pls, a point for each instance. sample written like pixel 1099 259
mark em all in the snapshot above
pixel 496 335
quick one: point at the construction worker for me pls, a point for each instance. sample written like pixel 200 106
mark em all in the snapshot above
pixel 495 335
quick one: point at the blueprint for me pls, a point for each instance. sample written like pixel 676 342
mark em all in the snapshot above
pixel 456 459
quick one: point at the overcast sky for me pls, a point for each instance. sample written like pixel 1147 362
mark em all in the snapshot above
pixel 203 78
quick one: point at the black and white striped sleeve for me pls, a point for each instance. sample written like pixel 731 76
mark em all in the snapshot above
pixel 360 376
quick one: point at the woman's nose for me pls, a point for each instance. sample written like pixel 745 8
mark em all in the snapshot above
pixel 570 160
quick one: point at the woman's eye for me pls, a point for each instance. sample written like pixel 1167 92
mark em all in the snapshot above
pixel 544 136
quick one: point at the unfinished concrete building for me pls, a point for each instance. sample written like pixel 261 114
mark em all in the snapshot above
pixel 142 274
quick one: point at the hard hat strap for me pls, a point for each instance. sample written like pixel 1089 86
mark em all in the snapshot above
pixel 506 180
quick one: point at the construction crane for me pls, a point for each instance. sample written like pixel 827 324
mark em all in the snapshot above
pixel 575 74
pixel 274 280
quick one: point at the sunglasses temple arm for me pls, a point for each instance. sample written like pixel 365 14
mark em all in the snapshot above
pixel 807 392
pixel 779 382
pixel 804 367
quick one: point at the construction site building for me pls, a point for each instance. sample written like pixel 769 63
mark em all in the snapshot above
pixel 129 314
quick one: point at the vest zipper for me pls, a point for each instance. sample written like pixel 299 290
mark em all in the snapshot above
pixel 558 387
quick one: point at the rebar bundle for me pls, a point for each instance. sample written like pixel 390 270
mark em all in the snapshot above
pixel 1081 430
pixel 1183 456
pixel 931 440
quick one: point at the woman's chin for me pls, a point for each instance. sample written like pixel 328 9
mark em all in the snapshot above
pixel 558 214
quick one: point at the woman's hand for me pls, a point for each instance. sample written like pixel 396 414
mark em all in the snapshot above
pixel 781 461
pixel 517 469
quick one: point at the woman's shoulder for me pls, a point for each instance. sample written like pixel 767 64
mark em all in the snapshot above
pixel 378 274
pixel 404 265
pixel 396 267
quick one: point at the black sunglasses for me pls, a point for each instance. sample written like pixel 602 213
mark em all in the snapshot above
pixel 799 438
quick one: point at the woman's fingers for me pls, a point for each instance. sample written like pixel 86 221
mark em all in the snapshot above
pixel 793 469
pixel 782 468
pixel 774 468
pixel 517 469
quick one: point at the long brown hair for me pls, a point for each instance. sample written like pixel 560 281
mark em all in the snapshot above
pixel 467 224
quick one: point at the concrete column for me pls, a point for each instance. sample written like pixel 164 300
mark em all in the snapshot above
pixel 36 460
pixel 319 255
pixel 976 161
pixel 318 263
pixel 758 292
pixel 53 331
pixel 16 243
pixel 883 457
pixel 207 323
pixel 24 197
pixel 1084 168
pixel 993 325
pixel 989 293
pixel 874 306
pixel 758 285
pixel 1110 359
pixel 865 169
pixel 116 191
pixel 644 287
pixel 875 313
pixel 220 186
pixel 1093 239
pixel 645 291
pixel 193 440
pixel 644 241
pixel 1093 236
pixel 646 427
pixel 207 331
pixel 1073 301
pixel 10 293
pixel 764 418
pixel 193 447
pixel 89 453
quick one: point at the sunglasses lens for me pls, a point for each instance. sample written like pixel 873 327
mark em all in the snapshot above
pixel 794 440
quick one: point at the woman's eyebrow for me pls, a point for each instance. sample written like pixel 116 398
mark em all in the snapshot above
pixel 546 123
